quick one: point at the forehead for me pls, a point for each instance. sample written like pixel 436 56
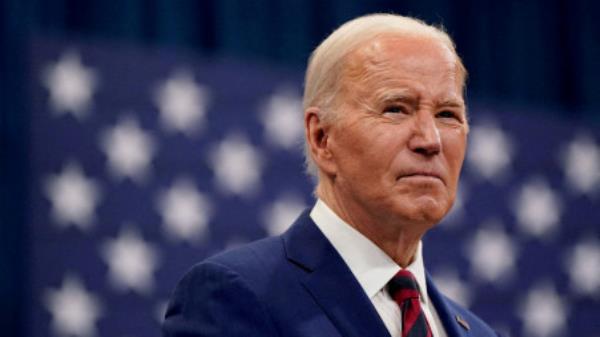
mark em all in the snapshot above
pixel 404 47
pixel 393 62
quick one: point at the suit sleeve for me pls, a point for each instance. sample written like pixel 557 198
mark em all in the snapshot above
pixel 212 300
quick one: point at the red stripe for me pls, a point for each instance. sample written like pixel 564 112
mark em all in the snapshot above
pixel 410 316
pixel 405 294
pixel 404 290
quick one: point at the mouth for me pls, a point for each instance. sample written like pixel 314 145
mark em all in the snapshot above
pixel 422 175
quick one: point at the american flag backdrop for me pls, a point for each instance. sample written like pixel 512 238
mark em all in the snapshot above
pixel 142 162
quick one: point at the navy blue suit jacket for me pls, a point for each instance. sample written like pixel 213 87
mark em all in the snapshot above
pixel 293 285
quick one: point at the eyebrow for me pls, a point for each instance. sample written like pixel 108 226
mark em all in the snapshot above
pixel 403 95
pixel 407 97
pixel 453 103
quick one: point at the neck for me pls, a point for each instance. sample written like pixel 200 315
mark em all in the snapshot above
pixel 396 239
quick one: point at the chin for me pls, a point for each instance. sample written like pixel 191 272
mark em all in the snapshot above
pixel 428 211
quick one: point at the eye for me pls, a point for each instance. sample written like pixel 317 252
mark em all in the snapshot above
pixel 394 109
pixel 448 114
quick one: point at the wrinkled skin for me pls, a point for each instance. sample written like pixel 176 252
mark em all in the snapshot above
pixel 389 162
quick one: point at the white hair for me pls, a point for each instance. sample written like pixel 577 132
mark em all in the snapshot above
pixel 324 74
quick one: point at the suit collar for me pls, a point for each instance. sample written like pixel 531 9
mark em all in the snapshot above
pixel 371 266
pixel 302 234
pixel 455 324
pixel 336 290
pixel 329 280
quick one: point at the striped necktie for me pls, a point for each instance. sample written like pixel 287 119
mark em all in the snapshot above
pixel 404 290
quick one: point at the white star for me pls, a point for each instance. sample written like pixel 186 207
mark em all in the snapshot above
pixel 282 119
pixel 131 262
pixel 490 151
pixel 492 253
pixel 71 85
pixel 452 286
pixel 74 311
pixel 182 103
pixel 236 164
pixel 184 210
pixel 537 208
pixel 129 149
pixel 581 162
pixel 73 197
pixel 583 265
pixel 278 216
pixel 543 312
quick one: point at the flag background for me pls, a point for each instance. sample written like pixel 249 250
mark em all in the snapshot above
pixel 523 237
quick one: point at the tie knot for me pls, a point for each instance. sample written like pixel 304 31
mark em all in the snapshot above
pixel 403 286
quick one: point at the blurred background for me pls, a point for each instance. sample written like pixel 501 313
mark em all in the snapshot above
pixel 138 137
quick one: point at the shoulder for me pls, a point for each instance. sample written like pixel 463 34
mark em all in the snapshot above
pixel 219 297
pixel 251 265
pixel 248 258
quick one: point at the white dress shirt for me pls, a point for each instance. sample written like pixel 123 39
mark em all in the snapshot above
pixel 374 269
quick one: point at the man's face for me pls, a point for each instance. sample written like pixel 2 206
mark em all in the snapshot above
pixel 399 141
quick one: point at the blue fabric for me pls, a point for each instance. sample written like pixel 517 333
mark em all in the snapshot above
pixel 291 285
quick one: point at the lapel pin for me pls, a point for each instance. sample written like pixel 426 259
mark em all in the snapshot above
pixel 463 323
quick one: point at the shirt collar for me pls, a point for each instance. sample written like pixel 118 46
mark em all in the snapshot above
pixel 370 265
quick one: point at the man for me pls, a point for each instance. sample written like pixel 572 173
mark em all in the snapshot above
pixel 386 132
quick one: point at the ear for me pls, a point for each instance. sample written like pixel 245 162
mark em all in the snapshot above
pixel 317 135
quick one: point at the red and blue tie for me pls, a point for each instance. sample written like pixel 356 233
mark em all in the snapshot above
pixel 404 289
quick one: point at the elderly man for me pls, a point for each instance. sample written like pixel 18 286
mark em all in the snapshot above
pixel 386 132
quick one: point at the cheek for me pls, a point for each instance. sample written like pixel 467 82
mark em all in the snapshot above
pixel 455 144
pixel 360 142
pixel 382 149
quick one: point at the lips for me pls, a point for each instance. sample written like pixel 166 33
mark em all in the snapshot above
pixel 421 174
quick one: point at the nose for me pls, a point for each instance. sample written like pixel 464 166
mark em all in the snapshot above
pixel 425 139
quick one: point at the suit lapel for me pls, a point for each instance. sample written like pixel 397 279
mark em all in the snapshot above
pixel 330 282
pixel 454 324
